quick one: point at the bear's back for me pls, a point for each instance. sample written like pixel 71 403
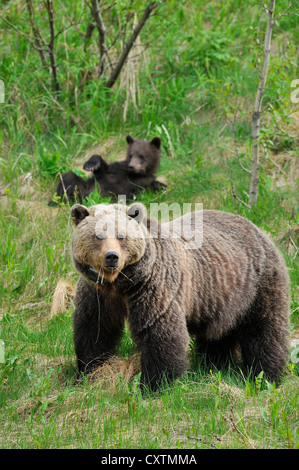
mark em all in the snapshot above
pixel 222 227
pixel 230 258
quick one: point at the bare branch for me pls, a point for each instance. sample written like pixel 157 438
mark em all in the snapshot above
pixel 28 38
pixel 264 7
pixel 96 13
pixel 276 100
pixel 236 148
pixel 116 71
pixel 88 34
pixel 235 195
pixel 61 31
pixel 255 119
pixel 75 119
pixel 50 10
pixel 284 12
pixel 265 154
pixel 243 167
pixel 37 36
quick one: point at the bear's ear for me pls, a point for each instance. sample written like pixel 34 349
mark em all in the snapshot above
pixel 93 164
pixel 156 142
pixel 78 213
pixel 129 139
pixel 137 211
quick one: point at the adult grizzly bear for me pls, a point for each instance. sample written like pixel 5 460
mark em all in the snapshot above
pixel 128 177
pixel 232 290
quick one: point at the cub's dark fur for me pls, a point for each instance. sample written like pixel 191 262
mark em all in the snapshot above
pixel 128 177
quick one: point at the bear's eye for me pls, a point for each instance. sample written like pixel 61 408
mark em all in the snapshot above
pixel 130 156
pixel 100 236
pixel 141 157
pixel 120 237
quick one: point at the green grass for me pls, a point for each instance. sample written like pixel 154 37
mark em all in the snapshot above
pixel 198 76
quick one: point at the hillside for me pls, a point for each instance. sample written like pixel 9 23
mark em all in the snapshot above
pixel 191 79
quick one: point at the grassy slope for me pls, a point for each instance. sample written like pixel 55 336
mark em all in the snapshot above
pixel 194 80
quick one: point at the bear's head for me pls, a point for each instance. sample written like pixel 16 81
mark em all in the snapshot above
pixel 143 157
pixel 107 238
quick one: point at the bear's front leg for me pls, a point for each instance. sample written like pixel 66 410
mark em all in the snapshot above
pixel 98 326
pixel 163 347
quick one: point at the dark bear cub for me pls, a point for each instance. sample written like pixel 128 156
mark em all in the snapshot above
pixel 128 177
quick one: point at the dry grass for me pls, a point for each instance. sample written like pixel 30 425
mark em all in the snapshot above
pixel 284 169
pixel 111 149
pixel 62 298
pixel 116 371
pixel 129 80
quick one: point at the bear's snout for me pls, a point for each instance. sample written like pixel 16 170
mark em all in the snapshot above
pixel 111 259
pixel 134 169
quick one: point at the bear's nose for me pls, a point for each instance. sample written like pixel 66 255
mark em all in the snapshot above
pixel 131 167
pixel 111 259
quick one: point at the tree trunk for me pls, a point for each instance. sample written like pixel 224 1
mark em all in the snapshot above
pixel 255 120
pixel 96 13
pixel 50 9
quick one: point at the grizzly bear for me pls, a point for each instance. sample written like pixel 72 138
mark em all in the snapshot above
pixel 229 291
pixel 127 178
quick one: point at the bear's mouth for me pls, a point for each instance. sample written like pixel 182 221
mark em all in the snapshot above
pixel 105 275
pixel 99 278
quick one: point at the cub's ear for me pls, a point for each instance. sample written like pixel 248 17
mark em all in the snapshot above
pixel 78 213
pixel 137 211
pixel 156 142
pixel 93 164
pixel 129 139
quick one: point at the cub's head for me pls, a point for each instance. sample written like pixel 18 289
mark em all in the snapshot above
pixel 143 157
pixel 107 239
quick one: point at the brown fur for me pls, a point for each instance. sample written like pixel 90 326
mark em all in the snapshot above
pixel 230 292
